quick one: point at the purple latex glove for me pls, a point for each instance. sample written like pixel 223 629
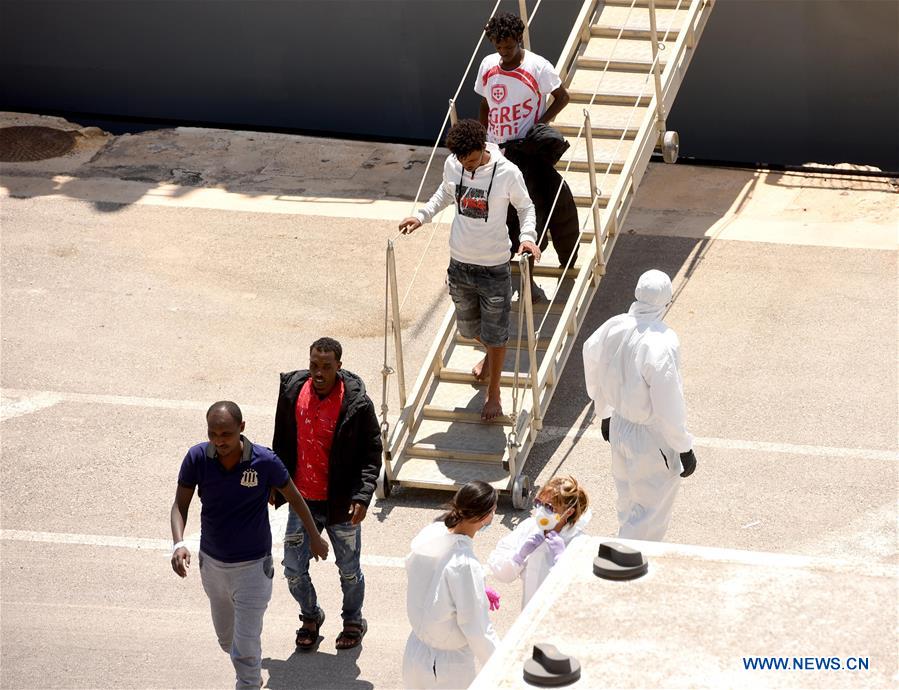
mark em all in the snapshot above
pixel 556 545
pixel 492 597
pixel 528 548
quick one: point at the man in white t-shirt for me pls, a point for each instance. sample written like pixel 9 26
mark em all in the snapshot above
pixel 515 85
pixel 483 185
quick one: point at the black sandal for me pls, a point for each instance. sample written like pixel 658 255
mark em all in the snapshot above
pixel 353 636
pixel 308 638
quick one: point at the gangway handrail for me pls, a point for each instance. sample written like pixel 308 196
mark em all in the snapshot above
pixel 621 138
pixel 617 197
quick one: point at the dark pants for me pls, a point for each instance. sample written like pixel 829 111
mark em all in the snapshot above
pixel 542 181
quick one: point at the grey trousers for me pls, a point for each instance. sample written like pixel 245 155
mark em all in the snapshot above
pixel 238 596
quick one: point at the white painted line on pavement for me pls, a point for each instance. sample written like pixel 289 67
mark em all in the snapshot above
pixel 27 405
pixel 26 605
pixel 139 543
pixel 124 400
pixel 114 190
pixel 547 434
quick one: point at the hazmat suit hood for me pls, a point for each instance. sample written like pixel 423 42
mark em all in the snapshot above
pixel 653 294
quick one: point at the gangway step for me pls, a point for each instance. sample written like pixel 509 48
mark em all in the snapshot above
pixel 634 22
pixel 540 308
pixel 608 153
pixel 542 343
pixel 579 184
pixel 429 450
pixel 608 120
pixel 457 440
pixel 461 414
pixel 584 96
pixel 448 395
pixel 464 357
pixel 426 473
pixel 628 54
pixel 544 271
pixel 462 376
pixel 660 4
pixel 624 84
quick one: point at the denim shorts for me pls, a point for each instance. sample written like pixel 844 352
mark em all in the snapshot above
pixel 483 299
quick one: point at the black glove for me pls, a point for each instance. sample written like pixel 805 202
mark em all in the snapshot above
pixel 604 427
pixel 688 460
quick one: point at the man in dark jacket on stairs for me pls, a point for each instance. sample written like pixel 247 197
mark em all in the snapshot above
pixel 327 435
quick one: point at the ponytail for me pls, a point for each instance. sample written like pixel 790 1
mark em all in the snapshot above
pixel 471 502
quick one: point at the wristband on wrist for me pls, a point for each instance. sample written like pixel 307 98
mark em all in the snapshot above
pixel 178 545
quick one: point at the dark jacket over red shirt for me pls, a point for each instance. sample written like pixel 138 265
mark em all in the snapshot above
pixel 355 458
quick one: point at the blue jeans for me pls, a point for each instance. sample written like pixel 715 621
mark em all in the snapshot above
pixel 346 541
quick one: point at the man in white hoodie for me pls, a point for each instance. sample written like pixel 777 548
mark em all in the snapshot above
pixel 631 368
pixel 482 183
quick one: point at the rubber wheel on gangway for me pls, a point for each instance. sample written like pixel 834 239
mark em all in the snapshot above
pixel 383 485
pixel 670 146
pixel 521 491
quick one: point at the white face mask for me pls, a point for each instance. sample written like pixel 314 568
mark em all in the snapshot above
pixel 545 518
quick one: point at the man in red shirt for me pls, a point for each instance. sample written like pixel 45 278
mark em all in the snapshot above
pixel 328 436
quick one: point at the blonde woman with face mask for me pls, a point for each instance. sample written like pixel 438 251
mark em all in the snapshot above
pixel 445 598
pixel 560 514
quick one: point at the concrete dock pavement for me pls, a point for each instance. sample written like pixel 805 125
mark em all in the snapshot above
pixel 134 295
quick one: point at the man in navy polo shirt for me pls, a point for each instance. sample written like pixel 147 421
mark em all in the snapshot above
pixel 233 477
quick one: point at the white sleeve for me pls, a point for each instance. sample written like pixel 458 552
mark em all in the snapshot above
pixel 465 581
pixel 521 200
pixel 479 87
pixel 500 563
pixel 547 78
pixel 442 198
pixel 593 373
pixel 666 393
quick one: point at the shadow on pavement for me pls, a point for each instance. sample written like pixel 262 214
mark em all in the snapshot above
pixel 316 670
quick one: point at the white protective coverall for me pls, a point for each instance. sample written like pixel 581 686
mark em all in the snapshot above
pixel 448 611
pixel 631 370
pixel 538 564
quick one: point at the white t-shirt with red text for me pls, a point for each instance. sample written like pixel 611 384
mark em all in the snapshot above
pixel 517 97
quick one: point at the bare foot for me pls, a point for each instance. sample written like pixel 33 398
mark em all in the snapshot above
pixel 492 409
pixel 481 370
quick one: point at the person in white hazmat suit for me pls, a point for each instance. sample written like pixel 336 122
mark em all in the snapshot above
pixel 631 368
pixel 561 512
pixel 445 596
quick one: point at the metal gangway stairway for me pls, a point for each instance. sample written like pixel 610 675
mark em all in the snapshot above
pixel 622 64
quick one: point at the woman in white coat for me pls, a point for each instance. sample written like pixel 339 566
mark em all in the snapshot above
pixel 445 598
pixel 560 514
